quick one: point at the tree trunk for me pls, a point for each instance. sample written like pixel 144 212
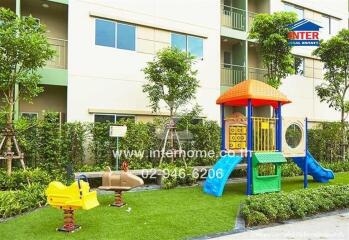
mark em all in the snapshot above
pixel 344 135
pixel 9 128
pixel 172 135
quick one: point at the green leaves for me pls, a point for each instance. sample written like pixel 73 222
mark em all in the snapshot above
pixel 270 31
pixel 170 79
pixel 24 49
pixel 335 55
pixel 274 207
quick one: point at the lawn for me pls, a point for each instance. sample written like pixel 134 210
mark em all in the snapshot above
pixel 161 214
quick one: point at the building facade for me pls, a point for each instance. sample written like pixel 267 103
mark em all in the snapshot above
pixel 103 45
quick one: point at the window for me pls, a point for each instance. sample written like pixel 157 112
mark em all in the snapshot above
pixel 179 41
pixel 105 33
pixel 112 118
pixel 124 118
pixel 104 118
pixel 195 46
pixel 31 116
pixel 227 59
pixel 191 44
pixel 335 26
pixel 126 36
pixel 291 8
pixel 325 24
pixel 116 35
pixel 299 65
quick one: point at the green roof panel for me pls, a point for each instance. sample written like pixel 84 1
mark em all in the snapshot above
pixel 269 157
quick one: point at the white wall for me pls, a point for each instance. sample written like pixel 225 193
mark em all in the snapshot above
pixel 108 78
pixel 305 102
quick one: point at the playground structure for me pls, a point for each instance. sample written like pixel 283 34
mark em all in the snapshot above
pixel 262 138
pixel 119 183
pixel 70 198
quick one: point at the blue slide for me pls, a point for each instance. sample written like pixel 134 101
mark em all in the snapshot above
pixel 219 174
pixel 318 173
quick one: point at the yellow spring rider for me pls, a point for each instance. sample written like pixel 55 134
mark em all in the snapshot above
pixel 70 198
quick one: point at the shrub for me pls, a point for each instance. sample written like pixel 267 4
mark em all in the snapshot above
pixel 19 179
pixel 274 207
pixel 175 176
pixel 206 137
pixel 325 141
pixel 16 202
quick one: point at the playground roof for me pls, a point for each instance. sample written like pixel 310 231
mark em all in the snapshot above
pixel 259 92
pixel 269 157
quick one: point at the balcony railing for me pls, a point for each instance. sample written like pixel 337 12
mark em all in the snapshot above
pixel 232 74
pixel 257 74
pixel 233 17
pixel 61 56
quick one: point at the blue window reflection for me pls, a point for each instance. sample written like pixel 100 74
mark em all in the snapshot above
pixel 126 36
pixel 179 41
pixel 105 33
pixel 195 46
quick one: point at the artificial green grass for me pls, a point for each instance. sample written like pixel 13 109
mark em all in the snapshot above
pixel 161 214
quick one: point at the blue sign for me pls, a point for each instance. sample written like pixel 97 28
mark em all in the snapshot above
pixel 303 33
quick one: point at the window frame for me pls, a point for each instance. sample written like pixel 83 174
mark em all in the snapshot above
pixel 103 114
pixel 115 115
pixel 329 23
pixel 187 44
pixel 116 23
pixel 186 40
pixel 188 52
pixel 116 35
pixel 31 113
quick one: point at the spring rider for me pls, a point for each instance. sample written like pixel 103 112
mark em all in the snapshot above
pixel 70 198
pixel 119 183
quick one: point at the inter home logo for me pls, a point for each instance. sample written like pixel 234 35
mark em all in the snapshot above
pixel 303 33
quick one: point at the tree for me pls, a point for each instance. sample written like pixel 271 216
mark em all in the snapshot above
pixel 171 80
pixel 24 49
pixel 334 53
pixel 270 31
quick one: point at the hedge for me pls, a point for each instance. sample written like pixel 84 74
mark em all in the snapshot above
pixel 19 179
pixel 50 145
pixel 325 141
pixel 275 207
pixel 16 202
pixel 24 190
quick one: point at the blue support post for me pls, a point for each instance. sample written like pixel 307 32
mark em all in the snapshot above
pixel 249 147
pixel 222 129
pixel 279 128
pixel 305 157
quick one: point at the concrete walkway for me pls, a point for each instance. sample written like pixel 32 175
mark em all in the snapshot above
pixel 334 227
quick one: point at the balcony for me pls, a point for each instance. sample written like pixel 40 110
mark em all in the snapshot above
pixel 257 74
pixel 61 56
pixel 234 18
pixel 232 74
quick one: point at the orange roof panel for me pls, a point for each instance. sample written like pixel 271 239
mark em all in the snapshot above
pixel 259 92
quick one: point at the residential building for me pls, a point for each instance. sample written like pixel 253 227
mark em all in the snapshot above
pixel 54 14
pixel 97 73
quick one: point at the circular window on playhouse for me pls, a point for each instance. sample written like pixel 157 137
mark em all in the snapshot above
pixel 293 135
